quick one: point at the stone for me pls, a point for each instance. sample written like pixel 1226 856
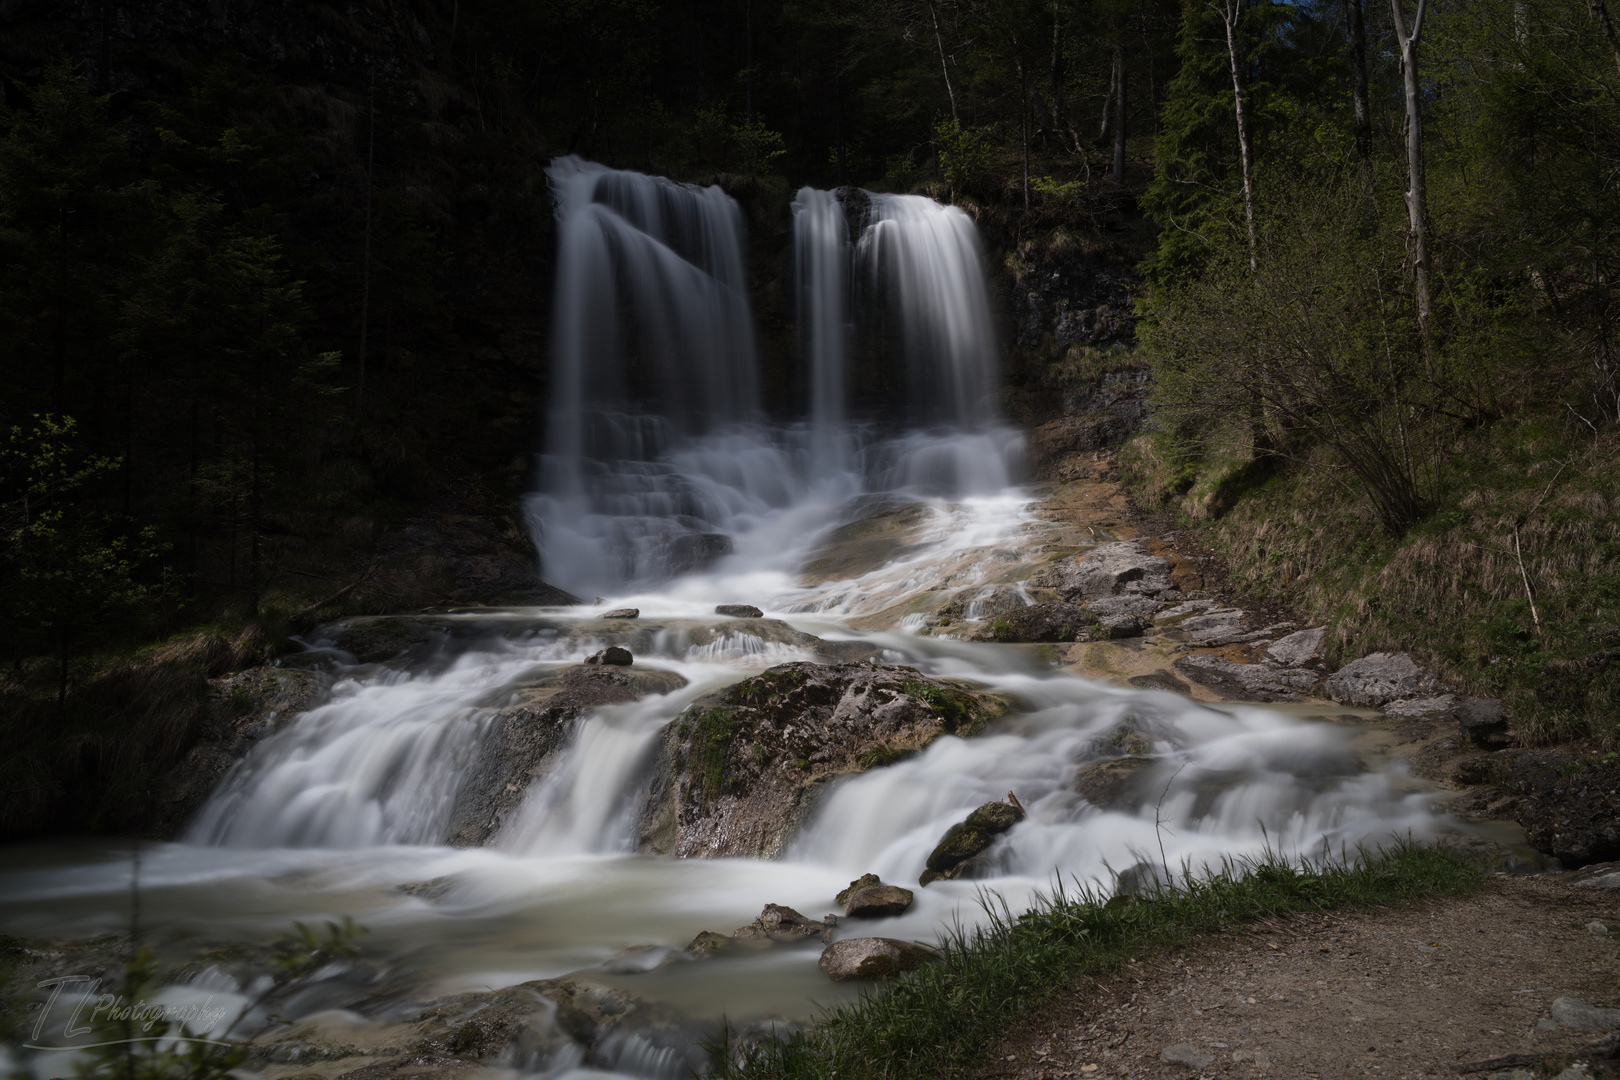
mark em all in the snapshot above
pixel 612 655
pixel 1415 708
pixel 1574 1013
pixel 1103 571
pixel 878 902
pixel 1115 784
pixel 739 611
pixel 1572 813
pixel 1511 1074
pixel 1247 682
pixel 621 613
pixel 696 551
pixel 1574 1072
pixel 1595 927
pixel 854 887
pixel 967 839
pixel 1116 627
pixel 1302 648
pixel 873 958
pixel 1186 1054
pixel 1140 606
pixel 1483 722
pixel 1178 612
pixel 1162 679
pixel 1049 622
pixel 778 922
pixel 1602 881
pixel 1378 679
pixel 1606 1047
pixel 735 773
pixel 708 943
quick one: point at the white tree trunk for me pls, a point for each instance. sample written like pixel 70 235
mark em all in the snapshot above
pixel 1230 12
pixel 1416 206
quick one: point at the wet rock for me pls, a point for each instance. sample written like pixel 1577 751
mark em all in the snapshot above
pixel 1121 616
pixel 1602 881
pixel 708 943
pixel 1573 1013
pixel 1161 679
pixel 1116 784
pixel 1176 613
pixel 967 839
pixel 1380 678
pixel 856 886
pixel 1302 648
pixel 1040 622
pixel 873 958
pixel 736 771
pixel 1575 815
pixel 739 611
pixel 373 639
pixel 1483 722
pixel 528 732
pixel 995 602
pixel 1105 570
pixel 780 923
pixel 640 959
pixel 621 613
pixel 878 902
pixel 692 552
pixel 879 530
pixel 1421 708
pixel 613 656
pixel 1188 1055
pixel 1250 682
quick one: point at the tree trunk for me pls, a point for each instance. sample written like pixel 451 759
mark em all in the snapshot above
pixel 1358 77
pixel 1108 102
pixel 1600 9
pixel 1230 13
pixel 1119 123
pixel 943 67
pixel 1416 208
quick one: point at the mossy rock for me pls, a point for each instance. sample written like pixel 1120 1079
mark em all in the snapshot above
pixel 969 838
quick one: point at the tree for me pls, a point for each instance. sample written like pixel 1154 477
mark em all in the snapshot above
pixel 1416 209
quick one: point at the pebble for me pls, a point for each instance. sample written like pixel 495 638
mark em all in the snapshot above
pixel 1574 1072
pixel 1596 927
pixel 1186 1054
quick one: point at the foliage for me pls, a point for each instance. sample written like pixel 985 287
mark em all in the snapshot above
pixel 928 1022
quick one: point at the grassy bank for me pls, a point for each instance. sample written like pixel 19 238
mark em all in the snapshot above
pixel 932 1022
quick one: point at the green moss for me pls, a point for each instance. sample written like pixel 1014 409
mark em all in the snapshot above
pixel 958 710
pixel 712 737
pixel 880 756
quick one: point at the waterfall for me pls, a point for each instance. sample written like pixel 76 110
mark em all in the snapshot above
pixel 821 258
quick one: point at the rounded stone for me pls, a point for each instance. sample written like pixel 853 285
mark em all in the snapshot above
pixel 873 958
pixel 878 902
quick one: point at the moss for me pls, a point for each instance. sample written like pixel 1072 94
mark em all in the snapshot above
pixel 712 736
pixel 881 756
pixel 959 711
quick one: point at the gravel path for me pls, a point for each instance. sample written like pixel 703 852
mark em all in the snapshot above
pixel 1393 993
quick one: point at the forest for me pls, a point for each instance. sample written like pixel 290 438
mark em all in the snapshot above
pixel 275 276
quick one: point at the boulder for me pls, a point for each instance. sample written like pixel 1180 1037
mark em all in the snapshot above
pixel 1176 613
pixel 1573 1013
pixel 1302 648
pixel 621 613
pixel 967 839
pixel 1573 814
pixel 612 656
pixel 873 958
pixel 735 772
pixel 1106 570
pixel 1247 682
pixel 1161 679
pixel 1115 784
pixel 1483 722
pixel 994 602
pixel 1380 678
pixel 1040 622
pixel 854 887
pixel 780 923
pixel 708 943
pixel 739 611
pixel 878 902
pixel 1187 1055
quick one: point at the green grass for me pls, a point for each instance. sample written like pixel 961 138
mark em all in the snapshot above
pixel 937 1020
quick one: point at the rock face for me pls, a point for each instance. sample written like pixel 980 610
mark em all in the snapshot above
pixel 1482 722
pixel 1040 622
pixel 1251 682
pixel 967 839
pixel 885 529
pixel 1574 815
pixel 1302 648
pixel 878 902
pixel 1378 679
pixel 736 772
pixel 739 611
pixel 873 958
pixel 528 733
pixel 1107 570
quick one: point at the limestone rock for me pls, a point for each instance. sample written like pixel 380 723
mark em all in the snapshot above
pixel 968 838
pixel 1379 678
pixel 613 655
pixel 1186 1054
pixel 736 771
pixel 854 887
pixel 1252 682
pixel 879 530
pixel 1105 570
pixel 708 943
pixel 780 923
pixel 873 958
pixel 1573 1013
pixel 1115 784
pixel 1413 708
pixel 1161 679
pixel 878 902
pixel 1040 622
pixel 739 611
pixel 1483 722
pixel 1176 613
pixel 1302 648
pixel 621 613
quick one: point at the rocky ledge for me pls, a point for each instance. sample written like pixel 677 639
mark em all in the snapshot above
pixel 737 771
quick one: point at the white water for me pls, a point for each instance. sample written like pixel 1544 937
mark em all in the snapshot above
pixel 354 799
pixel 821 261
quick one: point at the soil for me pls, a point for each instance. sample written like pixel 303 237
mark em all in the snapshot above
pixel 1449 987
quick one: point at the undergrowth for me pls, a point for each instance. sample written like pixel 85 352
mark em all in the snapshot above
pixel 934 1021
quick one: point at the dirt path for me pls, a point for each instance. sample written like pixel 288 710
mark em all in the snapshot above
pixel 1391 993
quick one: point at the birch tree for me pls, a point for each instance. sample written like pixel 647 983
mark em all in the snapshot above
pixel 1230 11
pixel 1416 210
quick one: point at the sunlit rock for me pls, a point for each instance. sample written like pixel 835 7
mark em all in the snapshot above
pixel 873 958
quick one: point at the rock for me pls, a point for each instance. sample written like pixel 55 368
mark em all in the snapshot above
pixel 779 923
pixel 1115 628
pixel 1040 622
pixel 1413 708
pixel 1105 570
pixel 1575 815
pixel 1380 678
pixel 1251 682
pixel 1572 1013
pixel 1115 784
pixel 1510 1074
pixel 621 613
pixel 1483 722
pixel 1606 1047
pixel 1602 881
pixel 873 958
pixel 1574 1072
pixel 1595 927
pixel 612 655
pixel 1186 1054
pixel 528 734
pixel 736 771
pixel 691 552
pixel 878 902
pixel 739 611
pixel 854 887
pixel 994 602
pixel 1140 606
pixel 969 838
pixel 879 530
pixel 708 943
pixel 1302 648
pixel 1161 679
pixel 1178 612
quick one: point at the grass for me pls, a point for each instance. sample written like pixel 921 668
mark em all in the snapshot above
pixel 935 1021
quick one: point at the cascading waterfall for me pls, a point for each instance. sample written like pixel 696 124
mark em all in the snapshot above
pixel 821 257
